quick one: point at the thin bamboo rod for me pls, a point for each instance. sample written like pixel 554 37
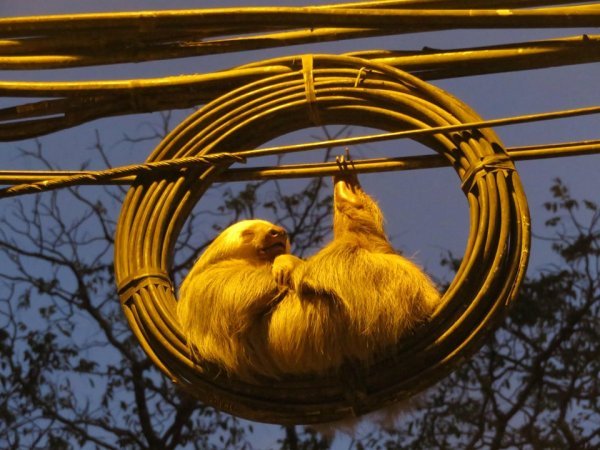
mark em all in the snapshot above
pixel 339 142
pixel 523 153
pixel 400 163
pixel 524 55
pixel 83 48
pixel 310 17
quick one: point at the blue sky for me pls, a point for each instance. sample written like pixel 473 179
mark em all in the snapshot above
pixel 426 211
pixel 432 215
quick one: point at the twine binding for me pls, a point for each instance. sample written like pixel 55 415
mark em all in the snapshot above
pixel 488 164
pixel 150 276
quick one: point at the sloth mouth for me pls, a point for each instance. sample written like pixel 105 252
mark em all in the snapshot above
pixel 278 248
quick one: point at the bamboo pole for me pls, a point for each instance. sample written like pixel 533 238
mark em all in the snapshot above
pixel 523 55
pixel 89 100
pixel 289 171
pixel 277 18
pixel 93 47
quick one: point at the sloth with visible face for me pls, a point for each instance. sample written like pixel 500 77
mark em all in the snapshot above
pixel 225 300
pixel 254 309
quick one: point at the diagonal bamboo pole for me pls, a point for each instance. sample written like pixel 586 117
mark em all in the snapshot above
pixel 523 153
pixel 304 170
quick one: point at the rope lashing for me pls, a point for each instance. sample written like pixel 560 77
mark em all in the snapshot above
pixel 488 164
pixel 109 174
pixel 129 287
pixel 486 282
pixel 48 179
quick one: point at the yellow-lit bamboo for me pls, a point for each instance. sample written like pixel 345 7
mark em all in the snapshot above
pixel 288 171
pixel 76 40
pixel 256 19
pixel 90 100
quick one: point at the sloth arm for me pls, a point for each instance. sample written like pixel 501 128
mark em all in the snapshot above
pixel 230 295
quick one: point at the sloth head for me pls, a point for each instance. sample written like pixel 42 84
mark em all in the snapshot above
pixel 255 240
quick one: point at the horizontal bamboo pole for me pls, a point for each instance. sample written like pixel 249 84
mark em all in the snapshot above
pixel 400 163
pixel 91 100
pixel 523 153
pixel 94 47
pixel 253 19
pixel 524 56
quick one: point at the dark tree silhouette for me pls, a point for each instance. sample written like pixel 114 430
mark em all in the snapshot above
pixel 535 384
pixel 71 373
pixel 72 376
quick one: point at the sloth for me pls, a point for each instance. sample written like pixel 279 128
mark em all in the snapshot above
pixel 255 310
pixel 227 297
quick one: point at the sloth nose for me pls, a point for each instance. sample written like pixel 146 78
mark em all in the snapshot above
pixel 276 232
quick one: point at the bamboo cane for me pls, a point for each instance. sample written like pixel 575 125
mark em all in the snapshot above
pixel 89 100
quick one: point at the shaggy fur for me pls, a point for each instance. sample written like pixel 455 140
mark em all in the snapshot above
pixel 254 309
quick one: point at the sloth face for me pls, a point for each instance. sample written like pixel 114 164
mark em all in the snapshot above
pixel 269 240
pixel 273 242
pixel 258 239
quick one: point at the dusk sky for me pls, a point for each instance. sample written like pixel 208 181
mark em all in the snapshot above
pixel 425 210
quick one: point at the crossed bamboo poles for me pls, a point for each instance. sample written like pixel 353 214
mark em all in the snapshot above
pixel 82 40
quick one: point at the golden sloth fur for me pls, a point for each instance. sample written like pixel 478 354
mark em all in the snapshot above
pixel 255 310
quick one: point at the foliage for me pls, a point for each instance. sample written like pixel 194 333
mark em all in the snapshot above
pixel 72 376
pixel 534 385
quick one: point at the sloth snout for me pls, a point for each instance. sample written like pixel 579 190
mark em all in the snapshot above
pixel 277 232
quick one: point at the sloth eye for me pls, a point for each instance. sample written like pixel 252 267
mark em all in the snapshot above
pixel 247 235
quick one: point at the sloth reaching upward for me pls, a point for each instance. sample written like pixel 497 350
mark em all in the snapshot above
pixel 252 308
